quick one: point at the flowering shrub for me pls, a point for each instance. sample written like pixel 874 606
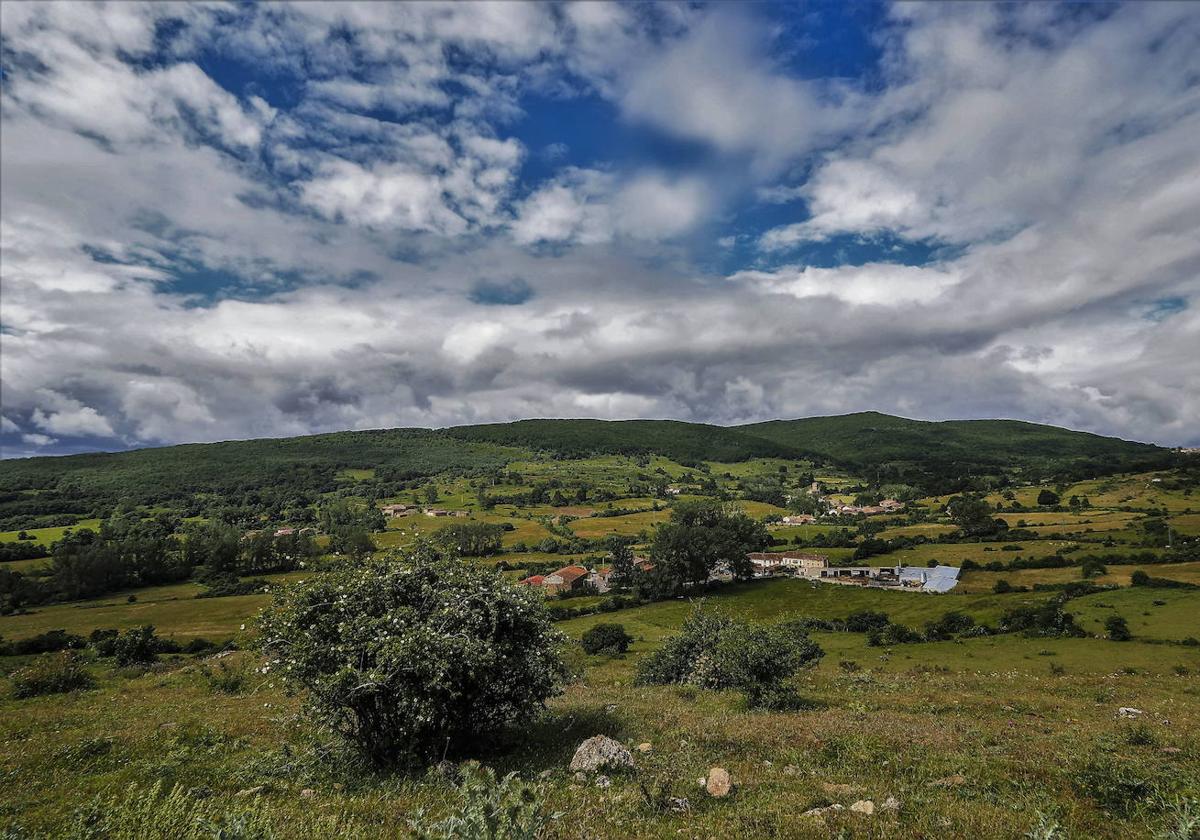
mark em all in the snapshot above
pixel 412 658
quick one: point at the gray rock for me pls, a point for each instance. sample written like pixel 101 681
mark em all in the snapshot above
pixel 891 804
pixel 250 791
pixel 308 793
pixel 679 805
pixel 603 781
pixel 601 753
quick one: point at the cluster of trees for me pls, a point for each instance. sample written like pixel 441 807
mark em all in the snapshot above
pixel 701 538
pixel 973 516
pixel 129 552
pixel 471 539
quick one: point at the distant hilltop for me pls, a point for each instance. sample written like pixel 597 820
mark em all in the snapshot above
pixel 937 457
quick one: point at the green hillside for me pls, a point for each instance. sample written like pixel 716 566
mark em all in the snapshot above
pixel 310 463
pixel 685 442
pixel 873 441
pixel 939 457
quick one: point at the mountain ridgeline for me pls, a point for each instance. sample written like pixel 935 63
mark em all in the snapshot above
pixel 938 457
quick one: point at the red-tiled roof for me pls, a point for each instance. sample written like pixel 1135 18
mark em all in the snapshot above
pixel 571 573
pixel 534 580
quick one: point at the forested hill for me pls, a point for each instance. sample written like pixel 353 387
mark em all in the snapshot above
pixel 936 456
pixel 684 442
pixel 870 441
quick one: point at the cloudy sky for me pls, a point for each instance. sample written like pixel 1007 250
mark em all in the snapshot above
pixel 227 221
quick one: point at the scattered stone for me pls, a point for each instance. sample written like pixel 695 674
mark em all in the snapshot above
pixel 164 727
pixel 308 793
pixel 601 752
pixel 767 763
pixel 1171 750
pixel 840 789
pixel 644 747
pixel 891 804
pixel 603 782
pixel 679 805
pixel 702 781
pixel 790 770
pixel 863 806
pixel 1129 712
pixel 250 791
pixel 223 654
pixel 581 776
pixel 719 784
pixel 820 812
pixel 949 781
pixel 338 786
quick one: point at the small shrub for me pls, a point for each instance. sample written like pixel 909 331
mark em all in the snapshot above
pixel 51 674
pixel 225 678
pixel 718 652
pixel 1117 629
pixel 137 646
pixel 1141 736
pixel 199 645
pixel 489 809
pixel 610 639
pixel 893 634
pixel 1117 784
pixel 104 642
pixel 1057 670
pixel 1002 587
pixel 51 641
pixel 849 666
pixel 865 621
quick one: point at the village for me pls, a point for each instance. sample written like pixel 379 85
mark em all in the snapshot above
pixel 577 579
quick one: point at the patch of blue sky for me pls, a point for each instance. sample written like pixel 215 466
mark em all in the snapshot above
pixel 507 292
pixel 1163 308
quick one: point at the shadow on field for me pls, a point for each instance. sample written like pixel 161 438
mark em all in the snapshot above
pixel 550 742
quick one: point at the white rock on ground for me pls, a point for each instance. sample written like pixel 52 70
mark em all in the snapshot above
pixel 601 753
pixel 863 806
pixel 719 784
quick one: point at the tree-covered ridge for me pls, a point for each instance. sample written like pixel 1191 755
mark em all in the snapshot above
pixel 311 462
pixel 289 473
pixel 683 442
pixel 933 454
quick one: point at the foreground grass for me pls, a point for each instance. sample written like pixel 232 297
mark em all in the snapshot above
pixel 1011 746
pixel 984 737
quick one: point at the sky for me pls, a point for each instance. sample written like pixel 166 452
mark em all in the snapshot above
pixel 224 220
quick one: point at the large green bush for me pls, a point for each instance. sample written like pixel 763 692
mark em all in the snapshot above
pixel 718 652
pixel 412 658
